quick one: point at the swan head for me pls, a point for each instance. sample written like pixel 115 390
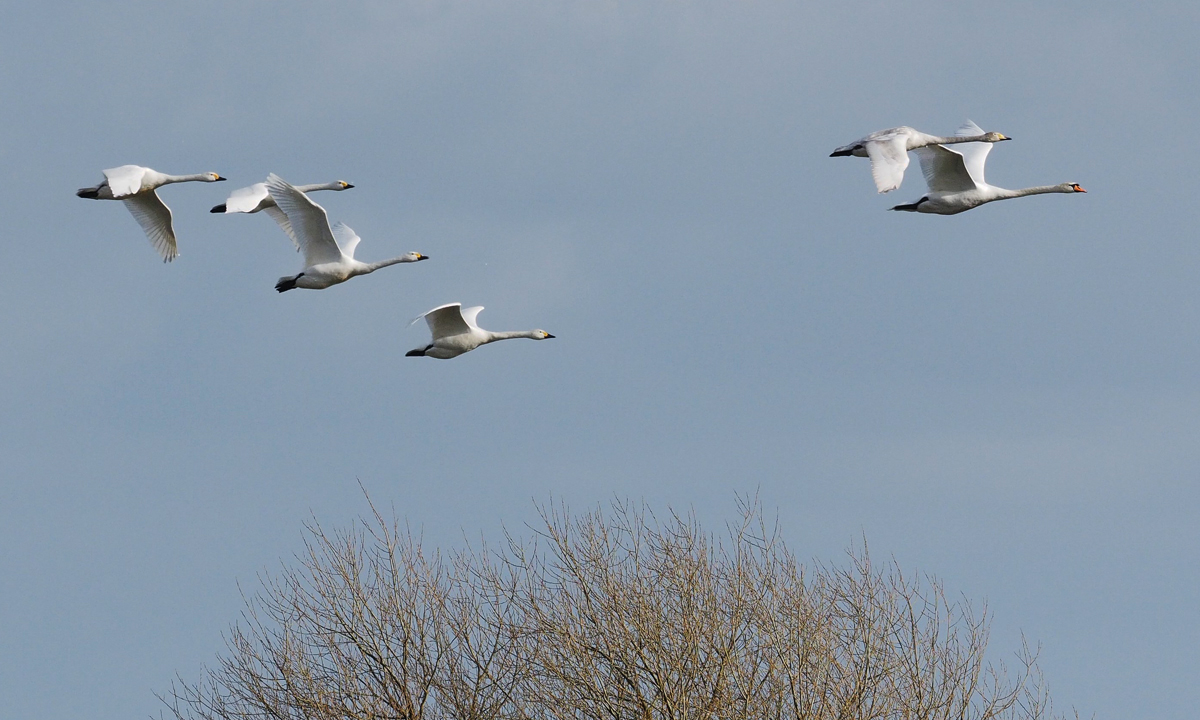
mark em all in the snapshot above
pixel 541 335
pixel 1072 187
pixel 213 177
pixel 994 137
pixel 342 185
pixel 412 256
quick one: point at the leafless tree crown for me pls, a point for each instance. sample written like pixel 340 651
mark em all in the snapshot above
pixel 614 614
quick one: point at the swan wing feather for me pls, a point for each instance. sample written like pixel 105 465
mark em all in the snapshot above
pixel 281 219
pixel 247 199
pixel 125 180
pixel 969 128
pixel 974 153
pixel 944 169
pixel 469 315
pixel 889 158
pixel 155 218
pixel 346 238
pixel 308 221
pixel 446 320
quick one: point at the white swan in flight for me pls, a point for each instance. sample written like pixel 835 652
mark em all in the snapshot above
pixel 455 332
pixel 135 185
pixel 888 150
pixel 955 179
pixel 328 251
pixel 256 197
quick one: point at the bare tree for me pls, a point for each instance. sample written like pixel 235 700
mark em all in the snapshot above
pixel 609 614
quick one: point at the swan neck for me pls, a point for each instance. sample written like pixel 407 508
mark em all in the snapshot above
pixel 494 336
pixel 198 177
pixel 1038 190
pixel 372 267
pixel 958 139
pixel 322 186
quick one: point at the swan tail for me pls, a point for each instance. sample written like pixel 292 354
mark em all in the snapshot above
pixel 218 208
pixel 287 283
pixel 419 352
pixel 92 193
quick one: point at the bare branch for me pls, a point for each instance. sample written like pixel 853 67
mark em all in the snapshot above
pixel 614 613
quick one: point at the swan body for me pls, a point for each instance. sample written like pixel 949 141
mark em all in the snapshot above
pixel 888 150
pixel 257 198
pixel 135 186
pixel 328 251
pixel 956 182
pixel 455 332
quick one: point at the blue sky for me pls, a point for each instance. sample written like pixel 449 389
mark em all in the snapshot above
pixel 1005 398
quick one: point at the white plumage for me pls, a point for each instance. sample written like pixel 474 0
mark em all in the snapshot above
pixel 455 332
pixel 135 186
pixel 888 150
pixel 956 182
pixel 257 198
pixel 328 251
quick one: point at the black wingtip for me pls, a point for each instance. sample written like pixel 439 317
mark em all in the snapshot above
pixel 218 208
pixel 415 353
pixel 89 193
pixel 839 153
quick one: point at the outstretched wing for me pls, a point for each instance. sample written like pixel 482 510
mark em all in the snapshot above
pixel 125 180
pixel 155 218
pixel 889 158
pixel 446 320
pixel 974 153
pixel 247 199
pixel 969 128
pixel 469 315
pixel 308 220
pixel 944 169
pixel 346 238
pixel 281 219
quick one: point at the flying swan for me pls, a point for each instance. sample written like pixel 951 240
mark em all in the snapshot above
pixel 135 185
pixel 888 150
pixel 256 197
pixel 328 251
pixel 955 179
pixel 455 332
